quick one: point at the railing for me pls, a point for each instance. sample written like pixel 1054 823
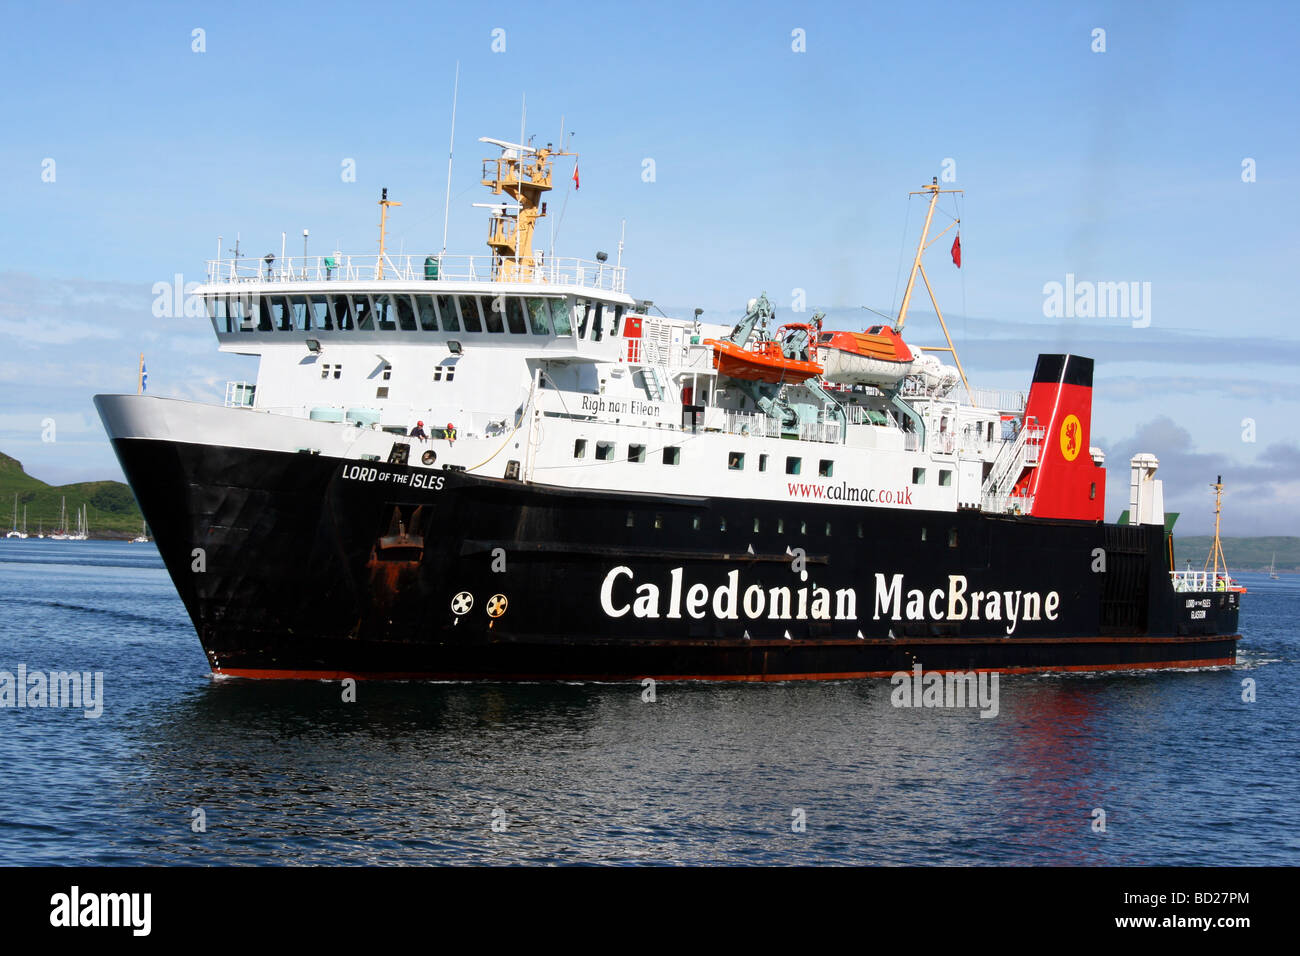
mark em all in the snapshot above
pixel 820 431
pixel 1202 581
pixel 561 271
pixel 1000 399
pixel 753 424
pixel 1007 504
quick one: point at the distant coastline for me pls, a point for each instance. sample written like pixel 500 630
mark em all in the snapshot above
pixel 111 509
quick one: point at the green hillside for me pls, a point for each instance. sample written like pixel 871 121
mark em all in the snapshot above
pixel 1242 554
pixel 111 508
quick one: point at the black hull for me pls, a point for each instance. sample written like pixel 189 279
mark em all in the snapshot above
pixel 295 565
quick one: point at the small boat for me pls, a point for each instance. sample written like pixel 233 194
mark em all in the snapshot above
pixel 15 533
pixel 1272 568
pixel 878 356
pixel 764 361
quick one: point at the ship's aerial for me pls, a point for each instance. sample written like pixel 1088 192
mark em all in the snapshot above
pixel 505 466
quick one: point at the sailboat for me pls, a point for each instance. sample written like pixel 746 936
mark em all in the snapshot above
pixel 61 532
pixel 143 536
pixel 15 533
pixel 1272 567
pixel 81 533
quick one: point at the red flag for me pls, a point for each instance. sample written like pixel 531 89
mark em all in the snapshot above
pixel 575 175
pixel 956 251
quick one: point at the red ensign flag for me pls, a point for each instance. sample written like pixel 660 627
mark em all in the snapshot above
pixel 956 251
pixel 575 175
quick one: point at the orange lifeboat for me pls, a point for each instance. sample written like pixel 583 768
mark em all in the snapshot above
pixel 878 357
pixel 765 362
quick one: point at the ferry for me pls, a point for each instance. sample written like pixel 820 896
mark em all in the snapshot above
pixel 606 492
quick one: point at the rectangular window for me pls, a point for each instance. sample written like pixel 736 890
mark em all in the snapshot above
pixel 584 313
pixel 604 451
pixel 762 463
pixel 365 312
pixel 1092 492
pixel 672 455
pixel 560 317
pixel 803 527
pixel 493 307
pixel 381 391
pixel 447 314
pixel 301 315
pixel 387 373
pixel 918 476
pixel 515 321
pixel 235 315
pixel 469 314
pixel 385 313
pixel 736 461
pixel 695 523
pixel 945 477
pixel 659 522
pixel 320 314
pixel 923 534
pixel 828 529
pixel 281 317
pixel 596 330
pixel 793 466
pixel 405 313
pixel 539 316
pixel 343 314
pixel 780 526
pixel 428 314
pixel 636 453
pixel 631 520
pixel 444 372
pixel 825 468
pixel 722 522
pixel 755 526
pixel 580 448
pixel 859 529
pixel 618 319
pixel 952 537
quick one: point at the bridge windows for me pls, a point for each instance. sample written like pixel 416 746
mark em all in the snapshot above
pixel 515 315
pixel 560 317
pixel 405 313
pixel 428 315
pixel 365 312
pixel 469 313
pixel 493 313
pixel 385 313
pixel 539 316
pixel 447 313
pixel 319 313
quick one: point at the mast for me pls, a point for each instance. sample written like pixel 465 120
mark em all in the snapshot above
pixel 1216 549
pixel 384 203
pixel 524 174
pixel 934 192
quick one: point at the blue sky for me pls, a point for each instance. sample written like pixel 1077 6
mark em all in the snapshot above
pixel 775 170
